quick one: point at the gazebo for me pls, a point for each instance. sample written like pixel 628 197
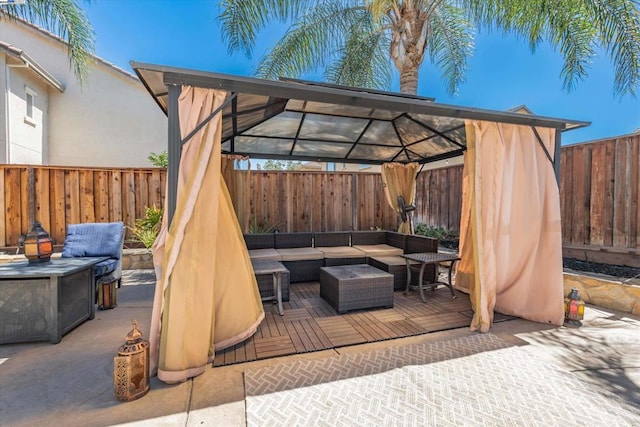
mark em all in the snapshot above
pixel 510 231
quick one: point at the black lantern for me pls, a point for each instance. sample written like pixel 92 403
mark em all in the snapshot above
pixel 573 308
pixel 38 245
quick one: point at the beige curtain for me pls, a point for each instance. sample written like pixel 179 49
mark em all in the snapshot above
pixel 206 294
pixel 400 180
pixel 239 183
pixel 511 244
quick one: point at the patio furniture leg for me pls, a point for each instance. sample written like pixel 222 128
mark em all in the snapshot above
pixel 406 290
pixel 420 284
pixel 451 264
pixel 277 291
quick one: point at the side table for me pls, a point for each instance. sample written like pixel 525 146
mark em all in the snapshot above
pixel 275 268
pixel 429 258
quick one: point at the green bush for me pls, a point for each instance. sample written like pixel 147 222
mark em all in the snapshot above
pixel 435 232
pixel 146 229
pixel 160 160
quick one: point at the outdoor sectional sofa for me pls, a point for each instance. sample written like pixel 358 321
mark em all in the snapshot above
pixel 304 253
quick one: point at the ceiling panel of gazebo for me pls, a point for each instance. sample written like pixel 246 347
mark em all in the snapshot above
pixel 334 150
pixel 340 110
pixel 433 147
pixel 363 151
pixel 380 133
pixel 284 125
pixel 249 144
pixel 332 128
pixel 319 121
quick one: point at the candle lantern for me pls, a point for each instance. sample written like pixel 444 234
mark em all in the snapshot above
pixel 131 367
pixel 38 245
pixel 106 293
pixel 573 308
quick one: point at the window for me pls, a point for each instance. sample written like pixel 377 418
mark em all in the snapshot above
pixel 30 98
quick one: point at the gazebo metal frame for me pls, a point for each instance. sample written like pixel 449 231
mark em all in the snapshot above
pixel 301 120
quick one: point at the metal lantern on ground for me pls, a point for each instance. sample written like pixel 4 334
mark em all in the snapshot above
pixel 38 245
pixel 131 367
pixel 106 293
pixel 573 308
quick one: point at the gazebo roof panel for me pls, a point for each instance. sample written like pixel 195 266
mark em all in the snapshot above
pixel 333 123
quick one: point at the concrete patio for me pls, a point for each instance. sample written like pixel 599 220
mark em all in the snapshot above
pixel 71 383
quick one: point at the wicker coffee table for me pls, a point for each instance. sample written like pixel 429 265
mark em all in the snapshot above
pixel 353 287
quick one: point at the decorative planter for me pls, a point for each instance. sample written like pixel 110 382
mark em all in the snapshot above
pixel 137 259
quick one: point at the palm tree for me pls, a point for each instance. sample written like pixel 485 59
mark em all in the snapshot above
pixel 65 19
pixel 356 41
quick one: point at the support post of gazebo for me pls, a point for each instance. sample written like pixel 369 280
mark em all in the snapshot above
pixel 556 156
pixel 173 149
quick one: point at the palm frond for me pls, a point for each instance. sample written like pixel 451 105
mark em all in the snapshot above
pixel 363 61
pixel 242 20
pixel 618 22
pixel 577 28
pixel 68 21
pixel 312 41
pixel 450 43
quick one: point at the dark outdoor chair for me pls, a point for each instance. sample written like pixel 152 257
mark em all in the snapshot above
pixel 97 239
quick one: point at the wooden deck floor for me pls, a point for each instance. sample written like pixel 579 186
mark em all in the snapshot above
pixel 311 324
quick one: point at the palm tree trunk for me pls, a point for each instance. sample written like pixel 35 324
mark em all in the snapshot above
pixel 409 80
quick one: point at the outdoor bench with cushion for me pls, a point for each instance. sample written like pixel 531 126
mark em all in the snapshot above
pixel 303 254
pixel 98 239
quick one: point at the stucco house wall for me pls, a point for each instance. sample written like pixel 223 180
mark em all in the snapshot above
pixel 108 122
pixel 27 135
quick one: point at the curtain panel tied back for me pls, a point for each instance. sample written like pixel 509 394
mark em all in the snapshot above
pixel 400 180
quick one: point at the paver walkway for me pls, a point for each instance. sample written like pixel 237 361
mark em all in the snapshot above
pixel 71 383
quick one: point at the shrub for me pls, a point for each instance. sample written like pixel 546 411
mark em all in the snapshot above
pixel 160 160
pixel 435 232
pixel 146 229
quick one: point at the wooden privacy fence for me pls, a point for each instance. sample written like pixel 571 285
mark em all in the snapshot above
pixel 318 201
pixel 58 196
pixel 287 201
pixel 599 196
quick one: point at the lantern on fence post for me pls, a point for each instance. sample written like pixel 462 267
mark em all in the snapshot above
pixel 131 367
pixel 573 308
pixel 38 245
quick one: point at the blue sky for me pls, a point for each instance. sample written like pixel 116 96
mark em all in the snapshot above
pixel 503 72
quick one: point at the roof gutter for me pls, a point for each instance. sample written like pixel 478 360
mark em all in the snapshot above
pixel 33 65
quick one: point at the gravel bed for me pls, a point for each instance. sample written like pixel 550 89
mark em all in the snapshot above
pixel 619 271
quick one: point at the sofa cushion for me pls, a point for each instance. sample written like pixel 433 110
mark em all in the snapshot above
pixel 379 250
pixel 271 254
pixel 105 267
pixel 341 252
pixel 300 254
pixel 93 240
